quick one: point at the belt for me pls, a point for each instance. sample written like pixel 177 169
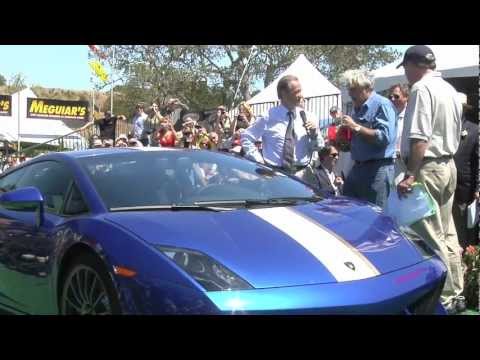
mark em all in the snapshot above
pixel 430 158
pixel 444 157
pixel 385 160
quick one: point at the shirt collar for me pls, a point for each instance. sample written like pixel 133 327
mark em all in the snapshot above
pixel 433 74
pixel 286 110
pixel 370 100
pixel 326 170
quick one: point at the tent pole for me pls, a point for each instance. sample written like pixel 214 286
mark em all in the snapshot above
pixel 111 88
pixel 243 73
pixel 18 118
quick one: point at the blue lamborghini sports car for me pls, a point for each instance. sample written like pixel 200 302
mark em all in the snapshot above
pixel 173 231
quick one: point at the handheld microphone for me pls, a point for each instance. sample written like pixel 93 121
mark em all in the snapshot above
pixel 311 133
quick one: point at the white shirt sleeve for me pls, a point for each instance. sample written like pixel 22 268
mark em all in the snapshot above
pixel 252 134
pixel 419 111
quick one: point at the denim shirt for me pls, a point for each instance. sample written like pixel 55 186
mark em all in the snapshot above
pixel 376 113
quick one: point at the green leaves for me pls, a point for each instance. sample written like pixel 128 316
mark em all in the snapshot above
pixel 205 76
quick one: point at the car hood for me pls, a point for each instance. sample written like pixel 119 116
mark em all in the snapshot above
pixel 333 240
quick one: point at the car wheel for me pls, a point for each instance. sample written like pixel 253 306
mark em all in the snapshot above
pixel 88 289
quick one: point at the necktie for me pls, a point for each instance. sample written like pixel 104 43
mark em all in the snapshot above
pixel 289 144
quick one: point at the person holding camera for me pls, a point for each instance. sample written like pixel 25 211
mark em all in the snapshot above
pixel 188 133
pixel 175 110
pixel 165 134
pixel 245 116
pixel 107 126
pixel 220 123
pixel 152 123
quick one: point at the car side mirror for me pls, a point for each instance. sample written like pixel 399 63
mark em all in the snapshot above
pixel 27 200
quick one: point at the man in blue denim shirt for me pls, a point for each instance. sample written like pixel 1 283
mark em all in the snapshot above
pixel 373 144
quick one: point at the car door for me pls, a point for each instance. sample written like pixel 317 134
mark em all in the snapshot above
pixel 29 250
pixel 8 228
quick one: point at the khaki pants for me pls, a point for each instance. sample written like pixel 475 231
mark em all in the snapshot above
pixel 440 179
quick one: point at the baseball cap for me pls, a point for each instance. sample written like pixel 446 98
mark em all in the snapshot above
pixel 418 54
pixel 334 109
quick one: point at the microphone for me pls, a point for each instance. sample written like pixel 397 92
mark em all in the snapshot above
pixel 311 133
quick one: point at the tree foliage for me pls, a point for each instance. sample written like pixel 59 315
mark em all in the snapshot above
pixel 205 76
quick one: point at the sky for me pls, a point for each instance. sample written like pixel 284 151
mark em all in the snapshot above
pixel 56 66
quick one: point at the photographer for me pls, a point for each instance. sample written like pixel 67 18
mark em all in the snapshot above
pixel 166 135
pixel 188 133
pixel 175 110
pixel 152 123
pixel 220 123
pixel 107 126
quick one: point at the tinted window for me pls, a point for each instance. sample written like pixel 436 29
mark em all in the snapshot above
pixel 52 179
pixel 75 203
pixel 147 178
pixel 10 181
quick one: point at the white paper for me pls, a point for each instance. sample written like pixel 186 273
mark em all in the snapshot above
pixel 472 214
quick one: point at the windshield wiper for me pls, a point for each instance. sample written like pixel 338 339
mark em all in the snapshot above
pixel 280 201
pixel 172 207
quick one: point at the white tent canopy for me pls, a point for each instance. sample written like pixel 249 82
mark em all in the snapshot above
pixel 452 61
pixel 313 83
pixel 32 130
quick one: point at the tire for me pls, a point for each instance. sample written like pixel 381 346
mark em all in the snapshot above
pixel 87 289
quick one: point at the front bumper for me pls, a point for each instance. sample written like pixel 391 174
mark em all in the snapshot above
pixel 413 290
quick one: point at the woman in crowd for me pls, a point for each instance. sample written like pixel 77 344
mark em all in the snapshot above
pixel 165 134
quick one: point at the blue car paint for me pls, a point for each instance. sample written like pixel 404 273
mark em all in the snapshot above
pixel 373 234
pixel 162 287
pixel 379 295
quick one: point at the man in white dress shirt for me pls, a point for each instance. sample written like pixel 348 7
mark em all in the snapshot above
pixel 287 142
pixel 398 95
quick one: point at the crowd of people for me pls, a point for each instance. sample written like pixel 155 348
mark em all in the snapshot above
pixel 156 127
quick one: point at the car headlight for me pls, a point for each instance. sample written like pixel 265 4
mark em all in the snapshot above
pixel 210 274
pixel 425 250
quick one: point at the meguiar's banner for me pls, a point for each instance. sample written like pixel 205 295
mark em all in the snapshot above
pixel 5 105
pixel 57 109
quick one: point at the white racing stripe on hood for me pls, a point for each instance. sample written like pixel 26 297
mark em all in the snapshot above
pixel 332 251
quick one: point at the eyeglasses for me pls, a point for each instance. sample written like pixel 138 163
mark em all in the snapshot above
pixel 395 96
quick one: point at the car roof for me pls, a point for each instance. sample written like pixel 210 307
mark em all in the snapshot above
pixel 103 151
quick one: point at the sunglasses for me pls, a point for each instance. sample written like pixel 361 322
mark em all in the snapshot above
pixel 395 96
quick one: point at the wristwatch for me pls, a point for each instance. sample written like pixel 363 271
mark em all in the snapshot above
pixel 357 128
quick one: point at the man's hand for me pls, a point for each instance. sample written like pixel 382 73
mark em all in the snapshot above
pixel 338 181
pixel 310 126
pixel 348 122
pixel 405 186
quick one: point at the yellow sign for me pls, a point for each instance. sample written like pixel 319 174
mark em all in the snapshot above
pixel 99 70
pixel 57 109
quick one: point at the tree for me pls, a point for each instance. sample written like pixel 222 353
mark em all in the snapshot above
pixel 16 83
pixel 3 81
pixel 204 75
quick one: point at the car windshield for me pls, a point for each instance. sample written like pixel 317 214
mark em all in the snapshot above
pixel 187 178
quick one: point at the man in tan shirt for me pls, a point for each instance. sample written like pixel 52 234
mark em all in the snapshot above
pixel 430 138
